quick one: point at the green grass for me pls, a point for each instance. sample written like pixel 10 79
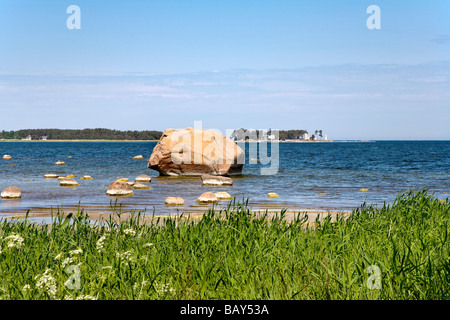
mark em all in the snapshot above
pixel 232 254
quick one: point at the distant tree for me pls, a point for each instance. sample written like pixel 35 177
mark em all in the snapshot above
pixel 244 134
pixel 84 134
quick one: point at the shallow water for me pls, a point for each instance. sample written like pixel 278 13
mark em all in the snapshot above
pixel 324 176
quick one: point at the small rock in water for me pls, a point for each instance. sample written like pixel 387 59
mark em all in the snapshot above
pixel 207 197
pixel 86 178
pixel 272 195
pixel 11 165
pixel 60 163
pixel 51 176
pixel 143 178
pixel 68 182
pixel 6 157
pixel 11 193
pixel 130 183
pixel 71 176
pixel 210 180
pixel 140 186
pixel 119 188
pixel 122 179
pixel 174 201
pixel 222 195
pixel 138 157
pixel 363 189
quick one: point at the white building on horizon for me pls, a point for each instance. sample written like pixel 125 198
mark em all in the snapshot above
pixel 304 136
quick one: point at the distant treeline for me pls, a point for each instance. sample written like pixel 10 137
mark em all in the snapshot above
pixel 243 134
pixel 82 134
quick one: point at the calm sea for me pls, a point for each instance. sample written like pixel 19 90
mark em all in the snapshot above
pixel 310 175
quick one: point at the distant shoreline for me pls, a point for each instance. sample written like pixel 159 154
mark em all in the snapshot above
pixel 77 140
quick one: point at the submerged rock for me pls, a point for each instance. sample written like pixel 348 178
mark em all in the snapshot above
pixel 210 180
pixel 68 182
pixel 51 176
pixel 222 195
pixel 174 201
pixel 143 178
pixel 140 186
pixel 119 188
pixel 11 193
pixel 272 195
pixel 194 152
pixel 207 197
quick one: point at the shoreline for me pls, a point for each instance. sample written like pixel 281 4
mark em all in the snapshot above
pixel 103 214
pixel 75 140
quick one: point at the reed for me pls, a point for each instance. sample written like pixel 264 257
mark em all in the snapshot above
pixel 233 254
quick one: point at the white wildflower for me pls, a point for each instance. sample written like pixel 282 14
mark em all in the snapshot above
pixel 66 262
pixel 47 283
pixel 14 241
pixel 59 256
pixel 101 243
pixel 86 297
pixel 80 297
pixel 26 287
pixel 129 232
pixel 75 252
pixel 107 267
pixel 163 288
pixel 124 256
pixel 148 245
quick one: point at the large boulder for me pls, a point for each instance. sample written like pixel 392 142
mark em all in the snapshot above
pixel 195 152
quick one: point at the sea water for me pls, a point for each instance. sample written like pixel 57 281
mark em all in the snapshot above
pixel 321 175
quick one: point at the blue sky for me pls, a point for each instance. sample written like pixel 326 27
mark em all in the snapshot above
pixel 137 65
